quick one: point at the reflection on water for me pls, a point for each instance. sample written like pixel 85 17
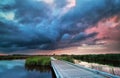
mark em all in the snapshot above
pixel 105 68
pixel 38 68
pixel 16 69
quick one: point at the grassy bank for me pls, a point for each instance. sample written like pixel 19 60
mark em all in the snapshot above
pixel 65 58
pixel 13 57
pixel 37 60
pixel 45 60
pixel 109 59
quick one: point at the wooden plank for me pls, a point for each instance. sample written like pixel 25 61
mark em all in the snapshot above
pixel 66 70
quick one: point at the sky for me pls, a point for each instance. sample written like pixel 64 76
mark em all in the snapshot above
pixel 57 24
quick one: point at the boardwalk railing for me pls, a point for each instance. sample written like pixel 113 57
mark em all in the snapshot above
pixel 108 75
pixel 58 74
pixel 64 69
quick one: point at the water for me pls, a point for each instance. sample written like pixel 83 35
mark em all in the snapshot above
pixel 104 68
pixel 17 69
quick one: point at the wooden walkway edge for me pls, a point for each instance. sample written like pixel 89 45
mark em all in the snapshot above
pixel 64 69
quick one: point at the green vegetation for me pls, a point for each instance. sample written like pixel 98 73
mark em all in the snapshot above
pixel 38 60
pixel 109 59
pixel 44 60
pixel 65 58
pixel 13 57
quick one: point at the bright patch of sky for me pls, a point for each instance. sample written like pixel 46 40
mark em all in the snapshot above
pixel 4 2
pixel 71 4
pixel 7 15
pixel 46 1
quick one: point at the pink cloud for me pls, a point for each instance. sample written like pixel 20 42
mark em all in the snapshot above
pixel 107 29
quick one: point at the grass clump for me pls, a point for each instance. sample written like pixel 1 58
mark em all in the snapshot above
pixel 38 60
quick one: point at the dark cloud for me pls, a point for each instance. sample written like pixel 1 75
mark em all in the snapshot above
pixel 66 37
pixel 32 24
pixel 31 11
pixel 82 36
pixel 16 37
pixel 88 12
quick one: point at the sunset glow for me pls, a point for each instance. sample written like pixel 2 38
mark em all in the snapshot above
pixel 59 26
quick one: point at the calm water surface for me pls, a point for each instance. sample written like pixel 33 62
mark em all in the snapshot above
pixel 16 69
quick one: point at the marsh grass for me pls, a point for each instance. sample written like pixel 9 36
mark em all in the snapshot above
pixel 108 59
pixel 65 58
pixel 43 60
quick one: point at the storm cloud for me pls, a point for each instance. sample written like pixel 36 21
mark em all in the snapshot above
pixel 43 24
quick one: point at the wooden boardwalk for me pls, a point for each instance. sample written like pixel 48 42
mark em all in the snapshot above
pixel 64 69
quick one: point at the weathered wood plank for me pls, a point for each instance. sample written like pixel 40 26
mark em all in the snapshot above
pixel 67 70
